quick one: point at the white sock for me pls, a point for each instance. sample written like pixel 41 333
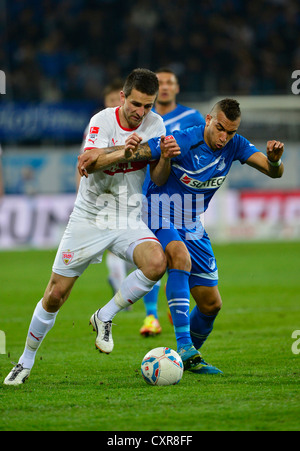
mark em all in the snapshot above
pixel 40 325
pixel 133 288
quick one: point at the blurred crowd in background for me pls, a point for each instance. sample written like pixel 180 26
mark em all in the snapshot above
pixel 53 50
pixel 58 56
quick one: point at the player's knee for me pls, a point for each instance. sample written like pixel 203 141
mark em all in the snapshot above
pixel 179 260
pixel 184 262
pixel 54 297
pixel 159 265
pixel 150 258
pixel 212 306
pixel 156 265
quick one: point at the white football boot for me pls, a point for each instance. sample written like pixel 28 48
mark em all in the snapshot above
pixel 104 341
pixel 17 376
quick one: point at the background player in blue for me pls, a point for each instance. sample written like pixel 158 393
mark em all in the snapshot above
pixel 207 154
pixel 175 117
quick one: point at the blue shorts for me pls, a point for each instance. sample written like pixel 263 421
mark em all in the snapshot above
pixel 204 270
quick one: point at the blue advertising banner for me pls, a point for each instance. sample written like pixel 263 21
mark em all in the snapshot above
pixel 34 121
pixel 50 170
pixel 40 172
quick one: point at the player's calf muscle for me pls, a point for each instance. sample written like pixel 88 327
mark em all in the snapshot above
pixel 208 299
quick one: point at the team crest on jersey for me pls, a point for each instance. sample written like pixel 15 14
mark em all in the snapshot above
pixel 221 164
pixel 212 263
pixel 67 257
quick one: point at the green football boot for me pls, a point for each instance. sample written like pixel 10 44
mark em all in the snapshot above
pixel 194 362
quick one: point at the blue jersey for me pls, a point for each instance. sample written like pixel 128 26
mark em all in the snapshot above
pixel 179 119
pixel 196 174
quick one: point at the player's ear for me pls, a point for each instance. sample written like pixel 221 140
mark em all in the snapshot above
pixel 208 118
pixel 122 98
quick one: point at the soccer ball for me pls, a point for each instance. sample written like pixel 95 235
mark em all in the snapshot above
pixel 162 366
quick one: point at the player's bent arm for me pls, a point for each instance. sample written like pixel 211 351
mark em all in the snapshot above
pixel 96 159
pixel 259 161
pixel 160 171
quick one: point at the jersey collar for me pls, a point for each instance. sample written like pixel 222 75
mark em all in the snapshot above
pixel 119 122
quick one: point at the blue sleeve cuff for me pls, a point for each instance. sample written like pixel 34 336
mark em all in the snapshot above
pixel 154 145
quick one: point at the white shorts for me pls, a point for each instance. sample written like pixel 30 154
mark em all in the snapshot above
pixel 84 243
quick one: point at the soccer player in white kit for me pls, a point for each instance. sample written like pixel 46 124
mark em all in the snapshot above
pixel 107 215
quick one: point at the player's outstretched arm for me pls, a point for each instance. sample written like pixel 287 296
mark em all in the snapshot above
pixel 96 159
pixel 271 163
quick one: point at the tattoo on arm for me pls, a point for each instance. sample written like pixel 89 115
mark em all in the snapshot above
pixel 143 152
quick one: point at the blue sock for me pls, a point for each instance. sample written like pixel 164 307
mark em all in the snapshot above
pixel 201 326
pixel 178 295
pixel 150 300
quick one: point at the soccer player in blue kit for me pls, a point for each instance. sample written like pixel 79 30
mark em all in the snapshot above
pixel 175 117
pixel 207 153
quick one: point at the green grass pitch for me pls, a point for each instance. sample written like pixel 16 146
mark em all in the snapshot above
pixel 74 387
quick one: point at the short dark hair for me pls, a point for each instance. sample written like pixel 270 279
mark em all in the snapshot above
pixel 143 80
pixel 230 107
pixel 167 70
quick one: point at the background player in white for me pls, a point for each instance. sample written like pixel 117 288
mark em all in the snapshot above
pixel 175 117
pixel 85 239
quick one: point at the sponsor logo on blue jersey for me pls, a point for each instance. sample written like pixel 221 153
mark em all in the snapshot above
pixel 213 183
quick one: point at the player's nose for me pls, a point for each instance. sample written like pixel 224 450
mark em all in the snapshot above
pixel 140 111
pixel 223 137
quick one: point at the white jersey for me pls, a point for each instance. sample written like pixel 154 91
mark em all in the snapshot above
pixel 121 184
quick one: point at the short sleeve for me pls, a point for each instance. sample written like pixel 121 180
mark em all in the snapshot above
pixel 97 133
pixel 184 138
pixel 244 149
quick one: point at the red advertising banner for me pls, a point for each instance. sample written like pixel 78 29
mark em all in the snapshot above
pixel 270 206
pixel 39 221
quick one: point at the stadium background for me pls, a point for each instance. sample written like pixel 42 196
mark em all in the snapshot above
pixel 59 55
